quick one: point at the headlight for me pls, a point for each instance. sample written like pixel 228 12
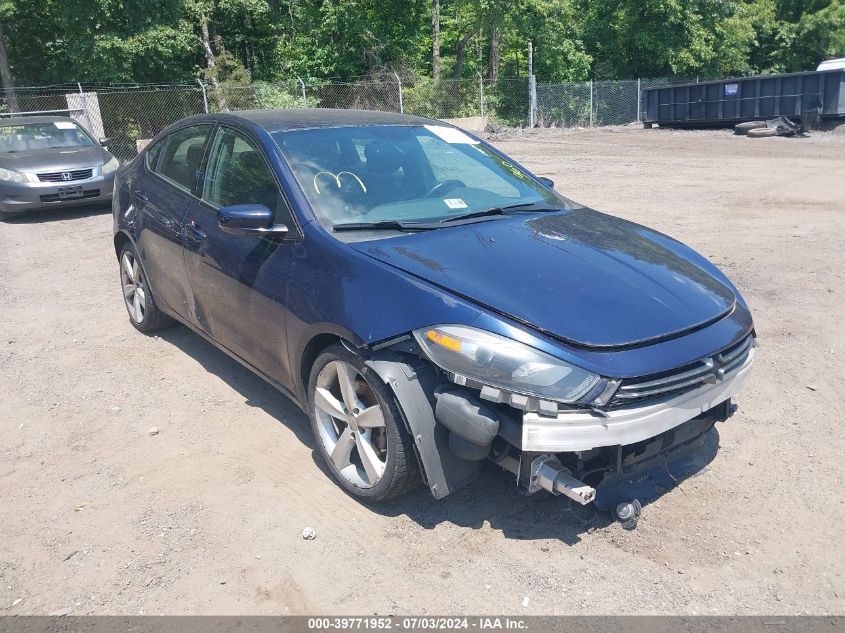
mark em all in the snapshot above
pixel 500 362
pixel 11 175
pixel 111 166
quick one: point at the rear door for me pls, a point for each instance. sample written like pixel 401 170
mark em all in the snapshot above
pixel 163 192
pixel 239 283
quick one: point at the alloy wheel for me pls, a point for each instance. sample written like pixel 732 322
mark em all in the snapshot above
pixel 134 288
pixel 350 424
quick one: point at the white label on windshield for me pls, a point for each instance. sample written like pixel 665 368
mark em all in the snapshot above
pixel 451 134
pixel 64 125
pixel 455 203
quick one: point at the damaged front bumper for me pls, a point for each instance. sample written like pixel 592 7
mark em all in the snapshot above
pixel 585 430
pixel 589 456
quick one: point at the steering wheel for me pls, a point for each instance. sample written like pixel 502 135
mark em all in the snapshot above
pixel 336 178
pixel 441 188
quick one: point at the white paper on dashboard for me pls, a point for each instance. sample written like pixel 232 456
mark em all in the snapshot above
pixel 65 125
pixel 455 203
pixel 451 134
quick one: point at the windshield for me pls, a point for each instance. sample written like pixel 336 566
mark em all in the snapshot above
pixel 35 136
pixel 408 174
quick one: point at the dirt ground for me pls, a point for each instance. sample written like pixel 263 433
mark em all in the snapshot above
pixel 100 517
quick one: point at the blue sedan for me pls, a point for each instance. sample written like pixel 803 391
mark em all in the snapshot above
pixel 431 304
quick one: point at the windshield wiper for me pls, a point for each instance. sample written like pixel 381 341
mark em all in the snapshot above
pixel 511 208
pixel 385 225
pixel 397 225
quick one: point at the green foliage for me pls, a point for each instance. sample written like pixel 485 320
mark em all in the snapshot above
pixel 58 41
pixel 279 97
pixel 446 99
pixel 818 35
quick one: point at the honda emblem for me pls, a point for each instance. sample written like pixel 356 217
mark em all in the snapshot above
pixel 66 175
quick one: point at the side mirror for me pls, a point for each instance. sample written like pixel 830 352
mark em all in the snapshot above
pixel 105 141
pixel 547 182
pixel 249 219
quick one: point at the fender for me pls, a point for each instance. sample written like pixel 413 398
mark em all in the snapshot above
pixel 413 386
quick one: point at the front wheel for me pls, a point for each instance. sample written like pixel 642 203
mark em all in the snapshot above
pixel 144 314
pixel 358 427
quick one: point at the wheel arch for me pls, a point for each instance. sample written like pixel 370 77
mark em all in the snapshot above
pixel 313 348
pixel 121 238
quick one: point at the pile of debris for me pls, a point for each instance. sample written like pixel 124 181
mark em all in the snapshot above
pixel 779 126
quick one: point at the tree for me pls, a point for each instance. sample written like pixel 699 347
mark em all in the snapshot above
pixel 5 70
pixel 818 36
pixel 435 39
pixel 61 41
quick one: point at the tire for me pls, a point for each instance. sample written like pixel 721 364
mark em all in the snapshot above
pixel 5 216
pixel 144 315
pixel 391 448
pixel 762 132
pixel 744 128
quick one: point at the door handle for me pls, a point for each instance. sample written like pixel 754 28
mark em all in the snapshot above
pixel 143 197
pixel 195 231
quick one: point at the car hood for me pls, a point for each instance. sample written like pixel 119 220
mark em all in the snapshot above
pixel 581 276
pixel 55 159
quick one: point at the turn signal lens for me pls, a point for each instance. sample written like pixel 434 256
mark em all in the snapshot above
pixel 444 340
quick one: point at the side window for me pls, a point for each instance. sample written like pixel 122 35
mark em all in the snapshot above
pixel 182 155
pixel 152 155
pixel 238 174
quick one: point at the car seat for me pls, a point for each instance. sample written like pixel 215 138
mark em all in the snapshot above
pixel 385 182
pixel 194 158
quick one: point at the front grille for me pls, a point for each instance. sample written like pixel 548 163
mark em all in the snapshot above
pixel 54 197
pixel 59 176
pixel 674 382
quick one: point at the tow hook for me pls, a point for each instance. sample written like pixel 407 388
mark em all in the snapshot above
pixel 549 474
pixel 628 514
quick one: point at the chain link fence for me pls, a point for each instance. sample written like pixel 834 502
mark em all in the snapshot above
pixel 130 114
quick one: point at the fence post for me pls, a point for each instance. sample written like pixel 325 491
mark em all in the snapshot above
pixel 204 95
pixel 481 92
pixel 639 101
pixel 591 103
pixel 304 97
pixel 401 105
pixel 532 100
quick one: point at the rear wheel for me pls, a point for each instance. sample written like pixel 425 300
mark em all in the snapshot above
pixel 144 314
pixel 358 427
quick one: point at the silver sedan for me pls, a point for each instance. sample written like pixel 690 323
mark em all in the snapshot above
pixel 51 161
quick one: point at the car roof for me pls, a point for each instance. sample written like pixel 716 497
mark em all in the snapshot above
pixel 304 118
pixel 23 120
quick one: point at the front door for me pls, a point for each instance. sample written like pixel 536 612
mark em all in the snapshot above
pixel 239 282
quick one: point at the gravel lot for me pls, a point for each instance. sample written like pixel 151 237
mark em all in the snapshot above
pixel 100 517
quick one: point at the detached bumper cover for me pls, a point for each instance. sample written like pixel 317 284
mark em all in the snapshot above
pixel 581 431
